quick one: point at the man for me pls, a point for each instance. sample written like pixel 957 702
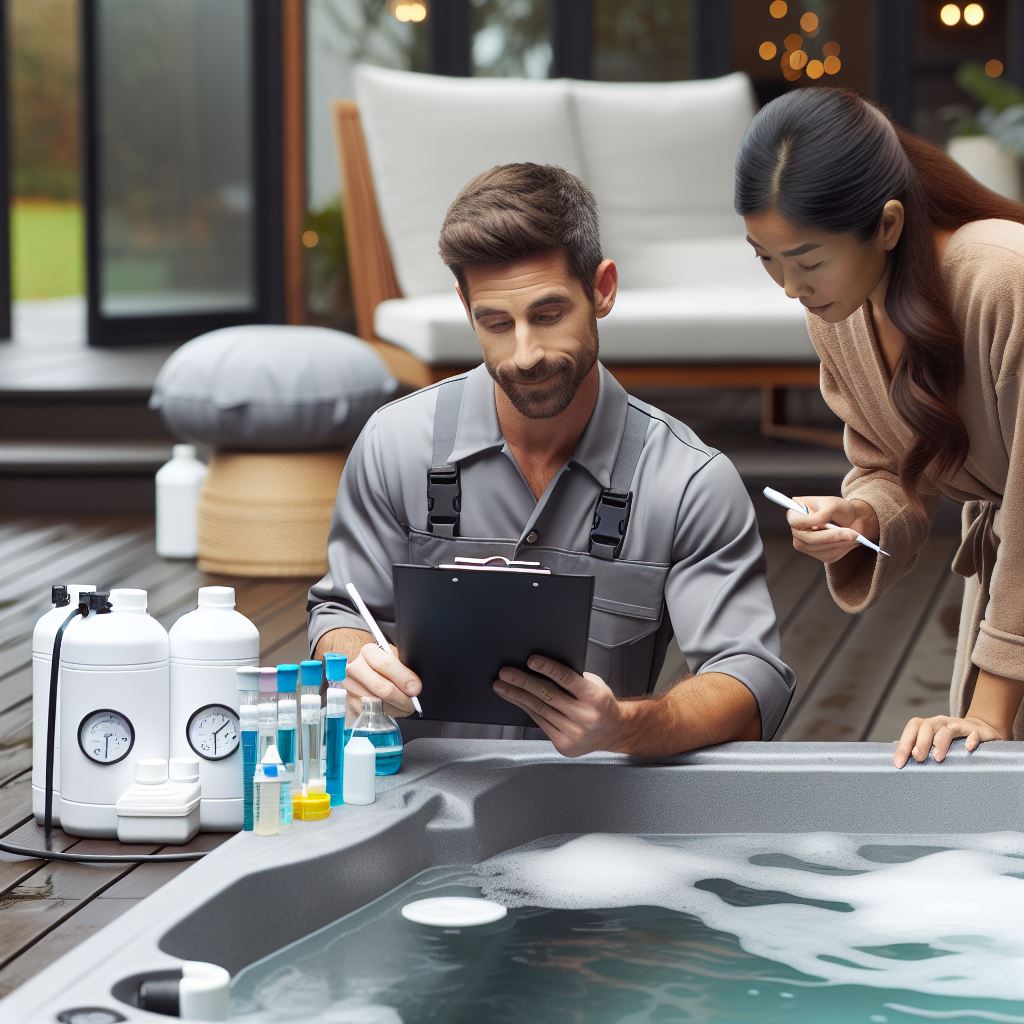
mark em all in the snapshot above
pixel 521 457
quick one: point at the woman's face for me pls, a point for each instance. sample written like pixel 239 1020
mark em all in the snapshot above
pixel 832 275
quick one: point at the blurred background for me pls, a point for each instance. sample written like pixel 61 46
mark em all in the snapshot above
pixel 171 164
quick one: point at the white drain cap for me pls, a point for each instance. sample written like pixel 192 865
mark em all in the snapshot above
pixel 453 912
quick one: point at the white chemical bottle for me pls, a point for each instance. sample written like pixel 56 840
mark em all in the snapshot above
pixel 206 647
pixel 360 782
pixel 178 484
pixel 43 636
pixel 114 707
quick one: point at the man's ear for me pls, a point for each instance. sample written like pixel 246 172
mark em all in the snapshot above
pixel 606 287
pixel 465 305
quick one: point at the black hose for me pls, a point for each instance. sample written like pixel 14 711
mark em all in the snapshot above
pixel 51 720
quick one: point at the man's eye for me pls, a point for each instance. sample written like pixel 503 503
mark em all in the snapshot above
pixel 548 318
pixel 499 325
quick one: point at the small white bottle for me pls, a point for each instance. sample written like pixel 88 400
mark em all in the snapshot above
pixel 360 777
pixel 266 789
pixel 178 484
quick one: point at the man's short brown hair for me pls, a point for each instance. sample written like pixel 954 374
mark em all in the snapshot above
pixel 517 210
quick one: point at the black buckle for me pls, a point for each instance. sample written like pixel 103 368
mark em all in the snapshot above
pixel 444 500
pixel 611 516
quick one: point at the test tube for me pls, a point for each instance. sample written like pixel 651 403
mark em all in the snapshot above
pixel 336 666
pixel 267 710
pixel 312 740
pixel 267 794
pixel 287 741
pixel 248 725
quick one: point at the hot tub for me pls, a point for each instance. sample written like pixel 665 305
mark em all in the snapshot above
pixel 462 802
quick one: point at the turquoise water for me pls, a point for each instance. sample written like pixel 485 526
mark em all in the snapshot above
pixel 286 745
pixel 389 749
pixel 337 737
pixel 250 743
pixel 848 940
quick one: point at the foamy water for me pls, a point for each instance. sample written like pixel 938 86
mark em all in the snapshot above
pixel 960 903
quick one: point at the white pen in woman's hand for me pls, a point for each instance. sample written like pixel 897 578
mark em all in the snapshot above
pixel 378 636
pixel 794 506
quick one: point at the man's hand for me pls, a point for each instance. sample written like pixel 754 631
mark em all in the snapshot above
pixel 578 713
pixel 376 674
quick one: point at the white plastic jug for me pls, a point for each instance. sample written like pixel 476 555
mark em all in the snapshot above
pixel 43 635
pixel 178 484
pixel 114 709
pixel 206 646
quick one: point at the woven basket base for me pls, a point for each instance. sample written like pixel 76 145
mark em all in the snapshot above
pixel 268 513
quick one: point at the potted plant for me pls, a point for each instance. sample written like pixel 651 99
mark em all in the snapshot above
pixel 988 144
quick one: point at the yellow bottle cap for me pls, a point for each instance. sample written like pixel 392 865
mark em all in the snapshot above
pixel 311 807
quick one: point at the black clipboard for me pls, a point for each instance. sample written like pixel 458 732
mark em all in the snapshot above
pixel 458 627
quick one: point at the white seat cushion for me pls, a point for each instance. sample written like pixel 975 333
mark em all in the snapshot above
pixel 660 159
pixel 428 135
pixel 710 324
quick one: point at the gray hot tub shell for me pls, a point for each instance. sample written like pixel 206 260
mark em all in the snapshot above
pixel 463 801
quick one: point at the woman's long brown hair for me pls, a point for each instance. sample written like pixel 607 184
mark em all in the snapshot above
pixel 828 159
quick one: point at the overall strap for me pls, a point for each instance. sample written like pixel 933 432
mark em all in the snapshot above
pixel 444 494
pixel 611 514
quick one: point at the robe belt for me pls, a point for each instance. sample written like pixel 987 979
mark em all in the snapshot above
pixel 976 555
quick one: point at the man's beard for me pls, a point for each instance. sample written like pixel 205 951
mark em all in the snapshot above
pixel 562 376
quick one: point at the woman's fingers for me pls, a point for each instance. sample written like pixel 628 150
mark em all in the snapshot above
pixel 906 743
pixel 935 735
pixel 923 744
pixel 945 735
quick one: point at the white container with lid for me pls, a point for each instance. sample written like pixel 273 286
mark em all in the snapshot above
pixel 114 708
pixel 360 780
pixel 178 485
pixel 43 636
pixel 207 646
pixel 160 807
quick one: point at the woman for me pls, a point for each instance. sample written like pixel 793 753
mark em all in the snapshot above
pixel 913 278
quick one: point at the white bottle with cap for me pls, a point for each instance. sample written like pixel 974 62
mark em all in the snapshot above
pixel 162 805
pixel 360 781
pixel 178 484
pixel 206 647
pixel 114 705
pixel 43 636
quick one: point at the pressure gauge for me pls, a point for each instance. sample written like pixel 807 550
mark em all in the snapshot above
pixel 212 732
pixel 106 736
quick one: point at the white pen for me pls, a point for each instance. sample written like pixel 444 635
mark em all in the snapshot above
pixel 780 499
pixel 378 636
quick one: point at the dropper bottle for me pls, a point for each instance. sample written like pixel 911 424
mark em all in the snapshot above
pixel 267 794
pixel 287 741
pixel 312 740
pixel 336 666
pixel 267 710
pixel 248 726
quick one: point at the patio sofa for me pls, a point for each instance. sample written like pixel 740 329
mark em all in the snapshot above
pixel 695 308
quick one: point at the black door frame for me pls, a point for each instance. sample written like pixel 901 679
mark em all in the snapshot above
pixel 268 285
pixel 5 178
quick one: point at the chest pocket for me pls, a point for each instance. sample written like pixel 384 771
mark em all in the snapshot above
pixel 625 624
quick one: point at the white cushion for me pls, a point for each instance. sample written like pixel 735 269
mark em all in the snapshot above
pixel 427 135
pixel 710 324
pixel 660 158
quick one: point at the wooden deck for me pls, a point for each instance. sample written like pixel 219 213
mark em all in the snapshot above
pixel 859 678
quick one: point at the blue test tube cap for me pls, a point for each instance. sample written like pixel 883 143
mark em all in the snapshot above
pixel 312 673
pixel 287 678
pixel 336 666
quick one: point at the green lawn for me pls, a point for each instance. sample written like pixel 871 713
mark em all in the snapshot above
pixel 47 249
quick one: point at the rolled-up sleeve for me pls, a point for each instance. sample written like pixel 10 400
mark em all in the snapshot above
pixel 716 592
pixel 366 538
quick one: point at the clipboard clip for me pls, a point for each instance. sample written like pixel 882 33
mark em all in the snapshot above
pixel 495 563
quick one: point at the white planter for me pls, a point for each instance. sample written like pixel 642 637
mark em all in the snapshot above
pixel 984 158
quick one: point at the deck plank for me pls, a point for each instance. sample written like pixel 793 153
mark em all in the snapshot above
pixel 838 704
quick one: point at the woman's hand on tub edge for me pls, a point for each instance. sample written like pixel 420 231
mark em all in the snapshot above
pixel 375 673
pixel 926 735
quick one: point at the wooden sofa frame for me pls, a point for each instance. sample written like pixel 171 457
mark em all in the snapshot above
pixel 373 281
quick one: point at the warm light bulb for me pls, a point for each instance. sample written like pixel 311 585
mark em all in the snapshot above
pixel 767 50
pixel 993 68
pixel 809 22
pixel 950 14
pixel 974 14
pixel 833 65
pixel 798 60
pixel 417 11
pixel 778 8
pixel 794 41
pixel 815 69
pixel 310 239
pixel 830 49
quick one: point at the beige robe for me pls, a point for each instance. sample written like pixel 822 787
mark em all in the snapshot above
pixel 983 269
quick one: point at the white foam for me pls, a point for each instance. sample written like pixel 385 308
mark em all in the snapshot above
pixel 959 902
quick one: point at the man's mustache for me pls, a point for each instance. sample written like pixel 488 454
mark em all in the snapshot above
pixel 536 373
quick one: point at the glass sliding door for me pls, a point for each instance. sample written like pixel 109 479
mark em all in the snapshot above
pixel 5 192
pixel 183 166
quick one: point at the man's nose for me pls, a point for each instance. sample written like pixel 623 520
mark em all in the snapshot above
pixel 528 352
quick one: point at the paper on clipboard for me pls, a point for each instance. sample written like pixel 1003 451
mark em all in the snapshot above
pixel 495 563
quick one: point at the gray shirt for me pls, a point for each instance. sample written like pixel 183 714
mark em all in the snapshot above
pixel 691 549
